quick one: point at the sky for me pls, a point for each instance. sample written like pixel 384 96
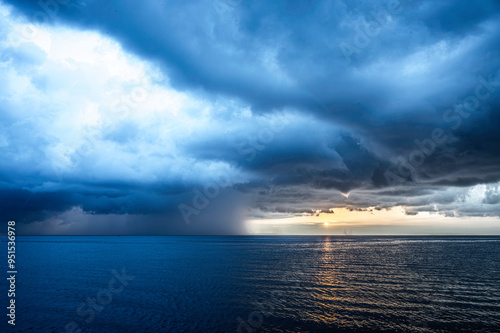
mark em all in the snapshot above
pixel 250 117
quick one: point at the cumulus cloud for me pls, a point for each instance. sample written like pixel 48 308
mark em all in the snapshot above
pixel 132 109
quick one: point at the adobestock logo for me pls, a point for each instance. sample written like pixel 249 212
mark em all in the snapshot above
pixel 103 297
pixel 248 148
pixel 406 167
pixel 370 29
pixel 49 10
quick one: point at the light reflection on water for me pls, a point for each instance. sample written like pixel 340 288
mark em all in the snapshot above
pixel 387 284
pixel 263 284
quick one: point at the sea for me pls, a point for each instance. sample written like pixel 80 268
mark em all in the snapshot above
pixel 254 284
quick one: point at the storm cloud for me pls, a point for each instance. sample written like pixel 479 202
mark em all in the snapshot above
pixel 137 117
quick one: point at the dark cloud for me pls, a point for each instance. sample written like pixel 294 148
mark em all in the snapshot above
pixel 410 116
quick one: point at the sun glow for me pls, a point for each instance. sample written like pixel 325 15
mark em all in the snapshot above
pixel 371 221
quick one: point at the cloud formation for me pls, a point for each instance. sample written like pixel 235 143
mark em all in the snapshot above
pixel 132 109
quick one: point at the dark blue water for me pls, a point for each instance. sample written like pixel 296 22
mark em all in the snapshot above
pixel 256 284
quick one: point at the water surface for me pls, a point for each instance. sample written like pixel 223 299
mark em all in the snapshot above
pixel 258 284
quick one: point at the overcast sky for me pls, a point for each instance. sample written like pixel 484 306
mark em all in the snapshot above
pixel 236 116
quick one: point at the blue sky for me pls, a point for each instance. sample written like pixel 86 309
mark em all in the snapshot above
pixel 235 116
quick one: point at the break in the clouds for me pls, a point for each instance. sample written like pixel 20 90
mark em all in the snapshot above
pixel 137 117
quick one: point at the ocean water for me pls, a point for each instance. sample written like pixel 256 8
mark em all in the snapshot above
pixel 255 284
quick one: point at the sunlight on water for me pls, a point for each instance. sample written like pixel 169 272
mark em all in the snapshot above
pixel 263 284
